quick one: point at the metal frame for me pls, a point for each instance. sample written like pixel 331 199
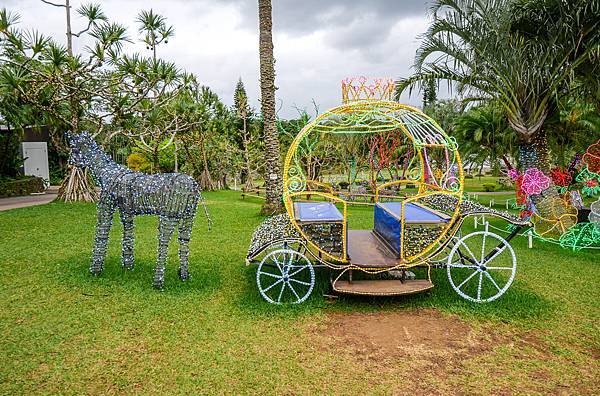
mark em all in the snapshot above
pixel 422 131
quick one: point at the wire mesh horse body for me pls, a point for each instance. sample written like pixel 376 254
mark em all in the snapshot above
pixel 171 196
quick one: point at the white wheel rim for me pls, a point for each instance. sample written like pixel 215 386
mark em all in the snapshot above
pixel 287 274
pixel 482 271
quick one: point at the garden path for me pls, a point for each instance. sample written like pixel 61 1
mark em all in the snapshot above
pixel 29 200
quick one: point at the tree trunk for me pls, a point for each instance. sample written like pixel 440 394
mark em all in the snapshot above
pixel 69 33
pixel 534 154
pixel 77 184
pixel 246 141
pixel 273 182
pixel 206 182
pixel 155 161
pixel 507 163
pixel 176 160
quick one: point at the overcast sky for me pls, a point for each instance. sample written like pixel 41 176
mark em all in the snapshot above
pixel 317 42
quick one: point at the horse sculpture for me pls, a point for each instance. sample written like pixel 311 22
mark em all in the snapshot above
pixel 172 196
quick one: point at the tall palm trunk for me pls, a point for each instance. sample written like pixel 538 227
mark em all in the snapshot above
pixel 273 182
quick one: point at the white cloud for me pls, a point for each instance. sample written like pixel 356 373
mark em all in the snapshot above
pixel 215 41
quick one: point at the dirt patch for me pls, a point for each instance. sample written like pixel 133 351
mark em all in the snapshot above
pixel 425 343
pixel 418 332
pixel 425 352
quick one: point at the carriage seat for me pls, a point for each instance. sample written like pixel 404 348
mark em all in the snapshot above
pixel 323 224
pixel 389 219
pixel 413 213
pixel 317 212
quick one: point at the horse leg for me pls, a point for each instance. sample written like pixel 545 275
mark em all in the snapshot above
pixel 165 231
pixel 185 232
pixel 105 216
pixel 128 237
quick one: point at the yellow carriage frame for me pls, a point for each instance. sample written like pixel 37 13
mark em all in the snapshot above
pixel 425 189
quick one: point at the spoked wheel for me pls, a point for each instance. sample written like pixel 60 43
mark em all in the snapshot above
pixel 285 276
pixel 481 266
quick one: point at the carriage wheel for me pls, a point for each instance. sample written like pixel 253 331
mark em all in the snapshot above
pixel 285 276
pixel 481 266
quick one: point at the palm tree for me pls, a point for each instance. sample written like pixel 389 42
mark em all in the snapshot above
pixel 267 92
pixel 477 46
pixel 484 135
pixel 474 44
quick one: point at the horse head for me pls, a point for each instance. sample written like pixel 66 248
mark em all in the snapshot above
pixel 83 149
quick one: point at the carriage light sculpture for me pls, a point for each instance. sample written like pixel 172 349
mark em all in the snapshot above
pixel 417 187
pixel 171 196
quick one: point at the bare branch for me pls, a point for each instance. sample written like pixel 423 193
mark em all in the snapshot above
pixel 54 4
pixel 84 30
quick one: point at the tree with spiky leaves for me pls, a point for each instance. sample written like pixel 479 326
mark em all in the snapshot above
pixel 92 12
pixel 475 45
pixel 155 30
pixel 273 183
pixel 67 88
pixel 153 121
pixel 89 91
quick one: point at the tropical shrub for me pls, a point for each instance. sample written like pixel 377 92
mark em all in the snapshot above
pixel 489 187
pixel 139 162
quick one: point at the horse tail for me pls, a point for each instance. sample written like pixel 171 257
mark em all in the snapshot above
pixel 203 202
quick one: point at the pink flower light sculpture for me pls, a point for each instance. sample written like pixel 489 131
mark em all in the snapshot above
pixel 534 181
pixel 513 173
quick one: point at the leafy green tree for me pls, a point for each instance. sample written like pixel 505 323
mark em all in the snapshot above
pixel 484 135
pixel 473 44
pixel 210 155
pixel 445 113
pixel 247 134
pixel 429 93
pixel 572 128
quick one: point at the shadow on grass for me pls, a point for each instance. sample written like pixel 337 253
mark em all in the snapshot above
pixel 250 301
pixel 517 305
pixel 73 274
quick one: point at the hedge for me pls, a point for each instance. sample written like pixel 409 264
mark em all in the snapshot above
pixel 24 186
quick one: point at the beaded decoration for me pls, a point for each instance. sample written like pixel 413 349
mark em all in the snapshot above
pixel 171 196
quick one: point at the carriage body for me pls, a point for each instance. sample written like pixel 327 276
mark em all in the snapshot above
pixel 418 208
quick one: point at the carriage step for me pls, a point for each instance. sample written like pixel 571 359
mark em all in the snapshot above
pixel 382 287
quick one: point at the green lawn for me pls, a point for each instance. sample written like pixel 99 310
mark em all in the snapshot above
pixel 476 183
pixel 65 331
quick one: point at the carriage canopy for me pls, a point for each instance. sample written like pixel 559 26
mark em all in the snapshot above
pixel 368 151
